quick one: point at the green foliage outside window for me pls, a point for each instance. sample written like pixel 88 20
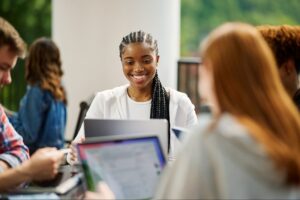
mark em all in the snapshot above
pixel 199 17
pixel 32 19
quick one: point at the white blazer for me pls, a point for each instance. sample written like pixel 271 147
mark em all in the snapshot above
pixel 111 104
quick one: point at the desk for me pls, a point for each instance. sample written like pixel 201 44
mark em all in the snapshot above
pixel 68 171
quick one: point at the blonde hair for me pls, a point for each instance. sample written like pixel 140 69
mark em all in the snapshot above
pixel 247 85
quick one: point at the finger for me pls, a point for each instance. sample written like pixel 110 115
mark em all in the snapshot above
pixel 92 195
pixel 103 188
pixel 49 148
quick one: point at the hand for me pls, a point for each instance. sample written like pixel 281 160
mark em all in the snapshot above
pixel 44 164
pixel 8 112
pixel 73 154
pixel 3 166
pixel 103 192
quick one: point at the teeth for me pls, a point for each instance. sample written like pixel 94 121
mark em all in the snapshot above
pixel 138 76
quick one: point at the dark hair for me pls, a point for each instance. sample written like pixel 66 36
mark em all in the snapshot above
pixel 160 97
pixel 43 67
pixel 9 36
pixel 284 41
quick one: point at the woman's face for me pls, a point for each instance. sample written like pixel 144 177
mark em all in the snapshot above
pixel 139 63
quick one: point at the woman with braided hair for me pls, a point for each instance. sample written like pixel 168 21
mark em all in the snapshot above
pixel 144 97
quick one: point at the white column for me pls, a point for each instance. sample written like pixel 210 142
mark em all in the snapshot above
pixel 88 34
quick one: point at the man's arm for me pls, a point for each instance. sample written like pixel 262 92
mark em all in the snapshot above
pixel 3 166
pixel 13 177
pixel 43 165
pixel 12 149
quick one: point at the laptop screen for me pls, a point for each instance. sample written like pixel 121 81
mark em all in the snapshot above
pixel 130 167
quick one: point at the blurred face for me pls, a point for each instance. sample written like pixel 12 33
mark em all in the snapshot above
pixel 139 63
pixel 289 77
pixel 206 88
pixel 8 60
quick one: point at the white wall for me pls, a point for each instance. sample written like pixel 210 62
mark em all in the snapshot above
pixel 88 34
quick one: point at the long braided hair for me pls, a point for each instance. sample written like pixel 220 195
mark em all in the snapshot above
pixel 160 97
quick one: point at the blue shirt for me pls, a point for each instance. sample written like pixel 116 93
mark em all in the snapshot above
pixel 41 119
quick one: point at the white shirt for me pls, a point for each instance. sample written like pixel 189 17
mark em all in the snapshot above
pixel 138 110
pixel 112 104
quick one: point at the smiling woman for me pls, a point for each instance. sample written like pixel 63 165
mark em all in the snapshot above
pixel 139 66
pixel 144 97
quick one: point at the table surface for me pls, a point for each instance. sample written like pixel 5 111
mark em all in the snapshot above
pixel 66 172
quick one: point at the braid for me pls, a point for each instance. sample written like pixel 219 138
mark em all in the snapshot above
pixel 160 97
pixel 138 36
pixel 160 104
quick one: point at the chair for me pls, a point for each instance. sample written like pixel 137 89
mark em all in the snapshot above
pixel 84 106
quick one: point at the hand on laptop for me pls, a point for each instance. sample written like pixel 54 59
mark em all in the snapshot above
pixel 72 156
pixel 103 192
pixel 43 165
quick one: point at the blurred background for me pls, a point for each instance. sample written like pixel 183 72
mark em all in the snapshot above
pixel 88 34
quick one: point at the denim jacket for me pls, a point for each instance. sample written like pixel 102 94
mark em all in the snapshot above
pixel 41 119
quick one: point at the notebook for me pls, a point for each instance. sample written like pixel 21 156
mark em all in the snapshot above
pixel 130 165
pixel 108 127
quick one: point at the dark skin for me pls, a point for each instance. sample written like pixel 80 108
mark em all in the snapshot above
pixel 289 77
pixel 139 63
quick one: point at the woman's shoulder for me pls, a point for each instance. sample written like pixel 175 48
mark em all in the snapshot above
pixel 111 93
pixel 35 91
pixel 35 88
pixel 228 133
pixel 179 98
pixel 224 134
pixel 226 126
pixel 175 94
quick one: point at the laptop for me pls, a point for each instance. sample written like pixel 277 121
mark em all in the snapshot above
pixel 130 164
pixel 64 181
pixel 108 127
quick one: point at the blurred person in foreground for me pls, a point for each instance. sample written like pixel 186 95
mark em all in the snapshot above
pixel 251 148
pixel 284 41
pixel 15 165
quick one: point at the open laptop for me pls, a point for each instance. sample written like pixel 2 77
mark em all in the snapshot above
pixel 130 164
pixel 108 127
pixel 64 181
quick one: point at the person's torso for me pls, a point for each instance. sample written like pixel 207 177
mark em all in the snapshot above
pixel 237 166
pixel 53 116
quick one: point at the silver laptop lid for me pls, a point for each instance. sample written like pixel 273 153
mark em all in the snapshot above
pixel 109 127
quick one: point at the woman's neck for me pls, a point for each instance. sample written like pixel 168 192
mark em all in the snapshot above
pixel 139 95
